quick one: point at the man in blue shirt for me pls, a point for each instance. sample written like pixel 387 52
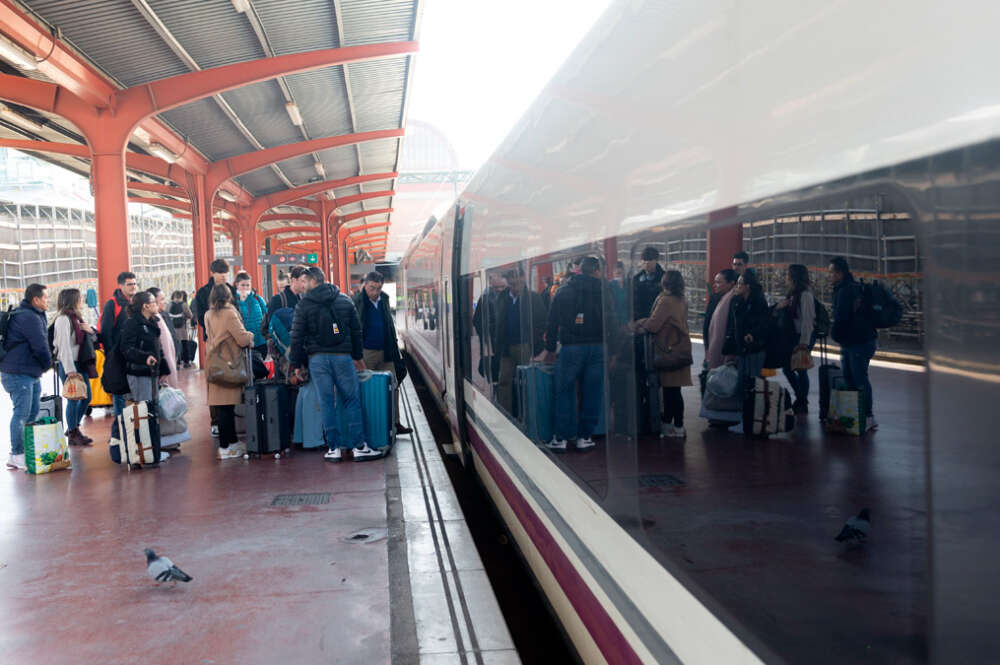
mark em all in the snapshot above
pixel 378 333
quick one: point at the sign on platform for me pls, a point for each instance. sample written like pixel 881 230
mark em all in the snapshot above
pixel 288 259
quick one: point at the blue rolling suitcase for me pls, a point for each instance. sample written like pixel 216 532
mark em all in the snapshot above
pixel 378 404
pixel 308 429
pixel 536 409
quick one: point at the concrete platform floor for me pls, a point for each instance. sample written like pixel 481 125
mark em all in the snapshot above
pixel 272 584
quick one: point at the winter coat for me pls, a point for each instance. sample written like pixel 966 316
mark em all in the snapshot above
pixel 326 321
pixel 645 290
pixel 253 311
pixel 285 299
pixel 111 325
pixel 577 312
pixel 388 322
pixel 27 342
pixel 850 323
pixel 749 316
pixel 226 338
pixel 533 315
pixel 140 338
pixel 668 322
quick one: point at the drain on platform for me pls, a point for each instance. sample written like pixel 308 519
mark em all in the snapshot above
pixel 371 535
pixel 659 480
pixel 301 499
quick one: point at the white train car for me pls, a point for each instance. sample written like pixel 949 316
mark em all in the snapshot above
pixel 672 119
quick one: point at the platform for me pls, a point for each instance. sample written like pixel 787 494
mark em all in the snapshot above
pixel 272 583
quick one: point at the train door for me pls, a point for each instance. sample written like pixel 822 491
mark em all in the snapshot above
pixel 461 302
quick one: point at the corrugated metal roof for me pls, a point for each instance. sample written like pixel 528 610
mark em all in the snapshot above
pixel 302 25
pixel 377 21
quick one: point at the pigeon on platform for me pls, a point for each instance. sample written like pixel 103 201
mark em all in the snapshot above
pixel 162 569
pixel 855 531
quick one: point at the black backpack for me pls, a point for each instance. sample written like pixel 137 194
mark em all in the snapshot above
pixel 883 307
pixel 5 318
pixel 821 327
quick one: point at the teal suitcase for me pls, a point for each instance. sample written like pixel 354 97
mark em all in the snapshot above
pixel 536 400
pixel 378 403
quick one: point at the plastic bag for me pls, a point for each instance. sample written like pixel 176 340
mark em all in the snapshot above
pixel 75 388
pixel 723 381
pixel 172 404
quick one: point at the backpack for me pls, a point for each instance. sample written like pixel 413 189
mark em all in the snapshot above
pixel 821 326
pixel 883 307
pixel 265 326
pixel 5 319
pixel 177 315
pixel 52 342
pixel 280 328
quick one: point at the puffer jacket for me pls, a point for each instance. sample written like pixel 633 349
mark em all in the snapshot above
pixel 252 311
pixel 747 317
pixel 26 342
pixel 577 311
pixel 326 321
pixel 140 339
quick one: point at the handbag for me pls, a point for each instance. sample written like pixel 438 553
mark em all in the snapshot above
pixel 75 388
pixel 801 360
pixel 671 359
pixel 228 373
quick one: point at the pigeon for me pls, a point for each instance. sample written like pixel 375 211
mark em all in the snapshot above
pixel 855 531
pixel 162 569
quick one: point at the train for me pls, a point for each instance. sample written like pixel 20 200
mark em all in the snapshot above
pixel 692 126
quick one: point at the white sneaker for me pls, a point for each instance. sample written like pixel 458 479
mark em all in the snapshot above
pixel 229 453
pixel 584 443
pixel 16 462
pixel 666 430
pixel 871 424
pixel 333 455
pixel 215 431
pixel 240 447
pixel 164 455
pixel 678 432
pixel 364 453
pixel 556 445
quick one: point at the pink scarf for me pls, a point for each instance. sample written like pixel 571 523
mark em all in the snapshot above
pixel 169 352
pixel 717 330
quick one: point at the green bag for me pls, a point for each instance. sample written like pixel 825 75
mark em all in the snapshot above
pixel 45 447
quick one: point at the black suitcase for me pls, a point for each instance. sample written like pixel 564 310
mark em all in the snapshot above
pixel 51 406
pixel 268 417
pixel 828 373
pixel 650 421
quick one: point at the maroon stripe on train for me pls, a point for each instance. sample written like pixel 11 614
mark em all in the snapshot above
pixel 603 630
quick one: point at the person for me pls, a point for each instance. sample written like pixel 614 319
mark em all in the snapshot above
pixel 286 298
pixel 546 291
pixel 219 270
pixel 521 317
pixel 27 358
pixel 113 318
pixel 619 297
pixel 717 317
pixel 226 339
pixel 799 310
pixel 854 330
pixel 326 338
pixel 380 347
pixel 741 261
pixel 575 320
pixel 281 281
pixel 168 337
pixel 746 330
pixel 646 285
pixel 484 320
pixel 180 318
pixel 252 310
pixel 141 347
pixel 69 333
pixel 668 321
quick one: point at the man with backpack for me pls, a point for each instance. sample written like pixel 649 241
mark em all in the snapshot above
pixel 277 324
pixel 113 318
pixel 326 338
pixel 24 357
pixel 854 330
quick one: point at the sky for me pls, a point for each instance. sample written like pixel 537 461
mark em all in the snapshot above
pixel 482 63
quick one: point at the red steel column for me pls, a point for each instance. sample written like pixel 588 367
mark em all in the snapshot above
pixel 251 252
pixel 201 217
pixel 722 243
pixel 111 218
pixel 324 237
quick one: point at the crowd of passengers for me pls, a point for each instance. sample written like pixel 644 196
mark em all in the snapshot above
pixel 157 339
pixel 573 315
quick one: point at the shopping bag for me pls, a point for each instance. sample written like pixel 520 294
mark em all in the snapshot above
pixel 723 381
pixel 846 415
pixel 801 359
pixel 45 446
pixel 172 404
pixel 74 389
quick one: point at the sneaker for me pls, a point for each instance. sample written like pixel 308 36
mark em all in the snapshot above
pixel 333 455
pixel 240 447
pixel 402 429
pixel 666 430
pixel 871 425
pixel 736 429
pixel 15 462
pixel 364 453
pixel 678 432
pixel 557 445
pixel 215 431
pixel 229 453
pixel 584 443
pixel 164 455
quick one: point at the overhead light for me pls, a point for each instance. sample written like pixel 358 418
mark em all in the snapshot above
pixel 142 135
pixel 8 113
pixel 241 6
pixel 227 196
pixel 330 196
pixel 293 113
pixel 16 55
pixel 161 151
pixel 320 171
pixel 223 214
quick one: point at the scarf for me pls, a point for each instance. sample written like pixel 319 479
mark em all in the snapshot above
pixel 717 330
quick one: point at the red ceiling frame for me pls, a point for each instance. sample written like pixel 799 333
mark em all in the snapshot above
pixel 133 160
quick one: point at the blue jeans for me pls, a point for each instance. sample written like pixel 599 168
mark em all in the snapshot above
pixel 75 408
pixel 799 378
pixel 330 370
pixel 26 393
pixel 584 364
pixel 118 404
pixel 855 359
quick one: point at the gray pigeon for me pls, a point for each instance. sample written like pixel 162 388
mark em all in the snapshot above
pixel 855 531
pixel 162 569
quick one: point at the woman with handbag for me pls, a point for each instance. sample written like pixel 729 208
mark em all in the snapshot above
pixel 73 340
pixel 226 370
pixel 799 309
pixel 672 352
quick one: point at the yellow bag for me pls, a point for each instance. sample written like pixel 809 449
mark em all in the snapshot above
pixel 98 395
pixel 768 372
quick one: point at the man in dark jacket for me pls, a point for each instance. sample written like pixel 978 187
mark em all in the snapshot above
pixel 521 317
pixel 220 270
pixel 27 357
pixel 115 311
pixel 575 320
pixel 378 333
pixel 854 330
pixel 484 320
pixel 646 285
pixel 326 336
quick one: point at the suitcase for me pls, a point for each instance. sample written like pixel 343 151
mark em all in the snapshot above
pixel 537 411
pixel 266 415
pixel 98 396
pixel 768 409
pixel 139 428
pixel 378 392
pixel 308 430
pixel 651 424
pixel 50 407
pixel 829 373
